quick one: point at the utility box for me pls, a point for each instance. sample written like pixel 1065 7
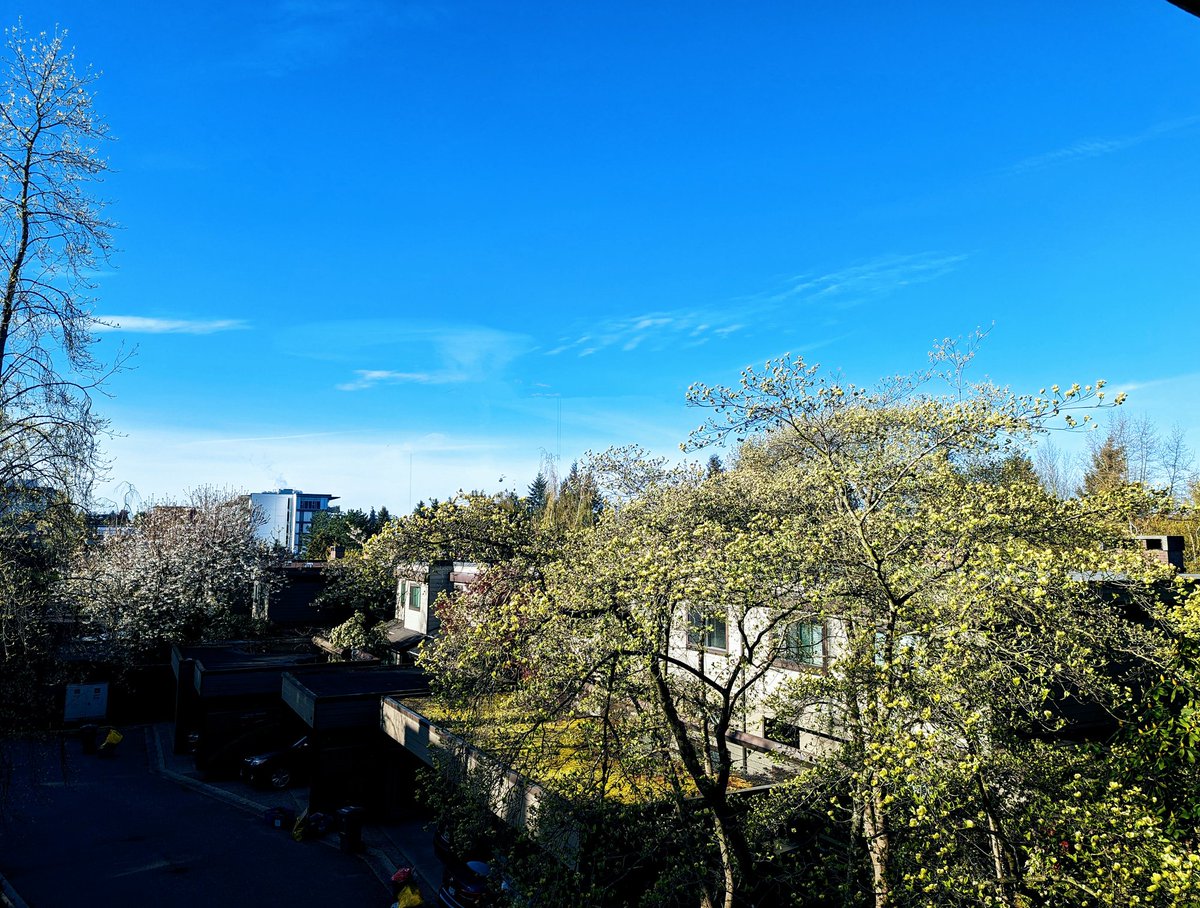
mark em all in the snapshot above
pixel 86 701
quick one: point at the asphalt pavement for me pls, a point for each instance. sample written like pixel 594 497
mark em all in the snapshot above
pixel 141 827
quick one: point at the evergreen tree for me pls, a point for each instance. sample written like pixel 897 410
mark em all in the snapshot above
pixel 536 499
pixel 578 502
pixel 347 529
pixel 1109 467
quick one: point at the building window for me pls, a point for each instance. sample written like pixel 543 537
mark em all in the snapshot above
pixel 414 598
pixel 309 504
pixel 707 631
pixel 804 643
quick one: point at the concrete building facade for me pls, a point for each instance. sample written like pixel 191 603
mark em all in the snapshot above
pixel 288 515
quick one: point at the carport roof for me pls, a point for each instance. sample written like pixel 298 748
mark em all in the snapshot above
pixel 350 681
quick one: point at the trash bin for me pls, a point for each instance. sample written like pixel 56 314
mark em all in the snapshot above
pixel 280 817
pixel 88 734
pixel 311 826
pixel 350 824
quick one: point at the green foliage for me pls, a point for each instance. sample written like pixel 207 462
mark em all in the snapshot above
pixel 39 532
pixel 576 502
pixel 588 633
pixel 360 583
pixel 347 530
pixel 537 496
pixel 973 605
pixel 802 856
pixel 359 632
pixel 362 580
pixel 1178 518
pixel 1091 841
pixel 1109 468
pixel 971 615
pixel 486 528
pixel 1158 749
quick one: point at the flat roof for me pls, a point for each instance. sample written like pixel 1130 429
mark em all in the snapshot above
pixel 250 654
pixel 351 680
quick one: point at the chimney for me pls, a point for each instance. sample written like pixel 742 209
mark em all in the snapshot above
pixel 1167 549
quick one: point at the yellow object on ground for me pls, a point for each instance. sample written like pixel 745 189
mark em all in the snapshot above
pixel 408 896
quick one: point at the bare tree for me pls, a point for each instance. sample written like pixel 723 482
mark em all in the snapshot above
pixel 1176 463
pixel 53 233
pixel 1143 446
pixel 1055 469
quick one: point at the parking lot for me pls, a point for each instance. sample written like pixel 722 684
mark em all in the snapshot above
pixel 138 828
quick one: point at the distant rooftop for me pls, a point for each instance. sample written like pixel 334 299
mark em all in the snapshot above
pixel 297 492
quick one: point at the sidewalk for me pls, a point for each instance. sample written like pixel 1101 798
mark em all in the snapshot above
pixel 386 846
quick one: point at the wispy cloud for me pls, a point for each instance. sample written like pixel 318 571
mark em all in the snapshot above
pixel 433 354
pixel 369 378
pixel 858 284
pixel 1095 147
pixel 827 292
pixel 140 324
pixel 1151 383
pixel 655 330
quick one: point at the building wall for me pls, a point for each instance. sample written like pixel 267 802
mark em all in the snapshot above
pixel 418 587
pixel 288 515
pixel 811 732
pixel 276 510
pixel 412 602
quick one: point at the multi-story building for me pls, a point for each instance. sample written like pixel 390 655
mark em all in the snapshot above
pixel 288 515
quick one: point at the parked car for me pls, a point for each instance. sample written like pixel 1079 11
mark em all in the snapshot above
pixel 224 760
pixel 465 885
pixel 475 885
pixel 279 768
pixel 473 874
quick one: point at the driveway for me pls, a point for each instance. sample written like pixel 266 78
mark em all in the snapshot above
pixel 82 829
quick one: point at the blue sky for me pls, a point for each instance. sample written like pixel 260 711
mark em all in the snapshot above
pixel 388 250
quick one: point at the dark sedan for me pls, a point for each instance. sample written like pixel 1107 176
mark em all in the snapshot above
pixel 465 885
pixel 279 768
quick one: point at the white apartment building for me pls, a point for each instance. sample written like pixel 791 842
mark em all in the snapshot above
pixel 288 515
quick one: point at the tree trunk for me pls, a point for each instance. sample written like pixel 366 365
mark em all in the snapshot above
pixel 879 844
pixel 998 861
pixel 727 861
pixel 1002 866
pixel 18 261
pixel 731 842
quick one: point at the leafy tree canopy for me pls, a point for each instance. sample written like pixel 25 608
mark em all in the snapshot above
pixel 183 572
pixel 964 607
